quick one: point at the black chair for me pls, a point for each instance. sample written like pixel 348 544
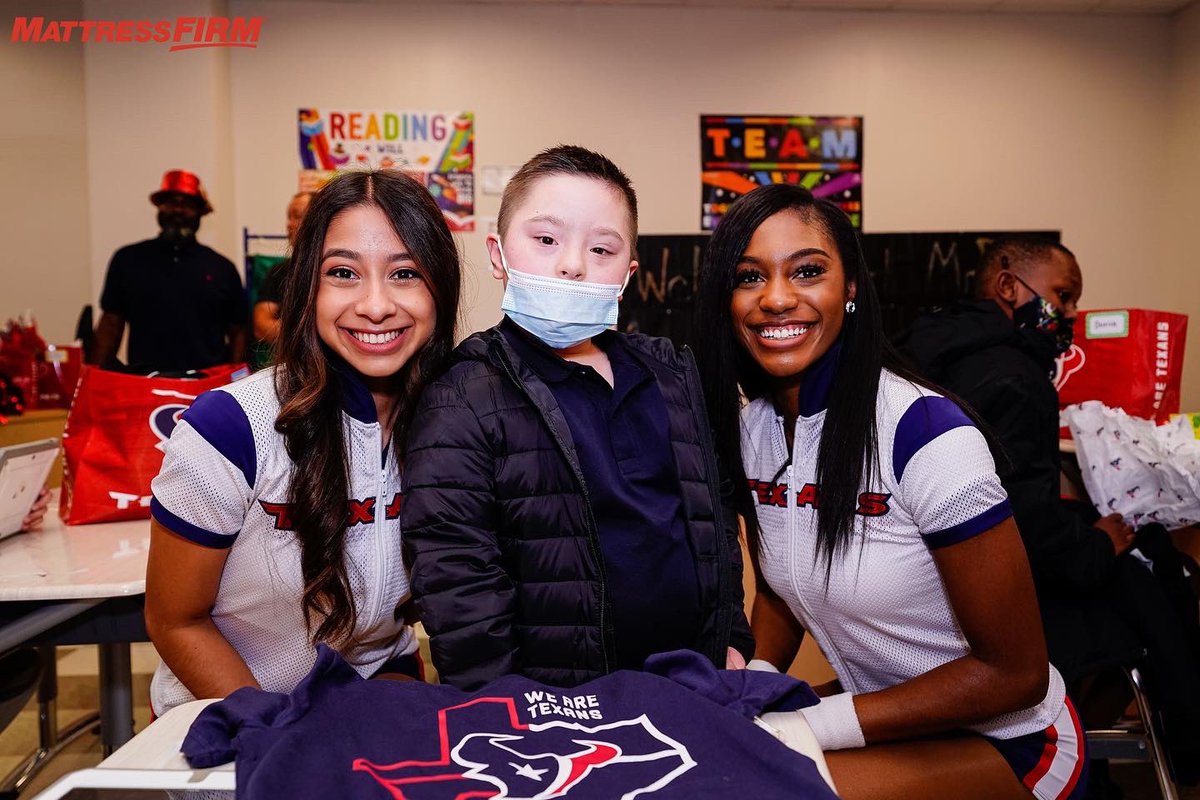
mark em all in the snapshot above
pixel 1126 739
pixel 21 670
pixel 51 739
pixel 1135 740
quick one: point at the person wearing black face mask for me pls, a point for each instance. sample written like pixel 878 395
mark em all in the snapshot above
pixel 1044 320
pixel 997 353
pixel 183 301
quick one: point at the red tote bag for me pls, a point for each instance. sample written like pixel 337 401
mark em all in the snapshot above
pixel 1130 359
pixel 114 437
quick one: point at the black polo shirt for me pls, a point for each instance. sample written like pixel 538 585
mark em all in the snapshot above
pixel 624 449
pixel 179 301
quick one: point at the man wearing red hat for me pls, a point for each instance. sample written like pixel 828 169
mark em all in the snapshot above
pixel 183 301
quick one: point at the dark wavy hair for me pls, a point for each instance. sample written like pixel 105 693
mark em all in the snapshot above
pixel 310 416
pixel 849 439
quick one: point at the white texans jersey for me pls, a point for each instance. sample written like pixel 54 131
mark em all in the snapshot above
pixel 224 484
pixel 885 617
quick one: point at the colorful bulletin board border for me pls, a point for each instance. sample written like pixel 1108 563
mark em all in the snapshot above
pixel 822 154
pixel 435 147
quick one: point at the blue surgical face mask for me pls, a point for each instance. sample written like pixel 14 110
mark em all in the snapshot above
pixel 559 312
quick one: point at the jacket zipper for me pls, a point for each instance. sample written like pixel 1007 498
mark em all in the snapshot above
pixel 700 413
pixel 593 536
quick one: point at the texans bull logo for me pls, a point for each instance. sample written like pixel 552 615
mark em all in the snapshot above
pixel 1068 364
pixel 164 418
pixel 487 752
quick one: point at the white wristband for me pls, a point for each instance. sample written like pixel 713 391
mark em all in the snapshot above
pixel 759 665
pixel 791 728
pixel 835 722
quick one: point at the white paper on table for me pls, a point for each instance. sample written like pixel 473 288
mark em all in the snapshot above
pixel 1142 471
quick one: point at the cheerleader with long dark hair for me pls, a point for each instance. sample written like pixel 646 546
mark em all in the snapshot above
pixel 276 513
pixel 877 524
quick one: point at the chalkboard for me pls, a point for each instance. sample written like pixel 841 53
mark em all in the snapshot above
pixel 661 295
pixel 913 272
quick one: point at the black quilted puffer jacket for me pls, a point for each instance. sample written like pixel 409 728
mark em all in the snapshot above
pixel 499 534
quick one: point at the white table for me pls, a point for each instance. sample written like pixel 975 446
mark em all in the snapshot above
pixel 72 562
pixel 151 760
pixel 68 570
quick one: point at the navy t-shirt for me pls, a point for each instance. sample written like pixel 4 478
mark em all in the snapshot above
pixel 624 448
pixel 681 730
pixel 179 299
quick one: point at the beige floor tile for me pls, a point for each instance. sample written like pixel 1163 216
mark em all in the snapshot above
pixel 74 661
pixel 83 660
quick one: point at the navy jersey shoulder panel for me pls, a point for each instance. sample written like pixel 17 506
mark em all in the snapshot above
pixel 193 533
pixel 973 527
pixel 222 422
pixel 925 420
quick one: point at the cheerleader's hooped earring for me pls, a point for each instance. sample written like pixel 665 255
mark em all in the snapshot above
pixel 850 307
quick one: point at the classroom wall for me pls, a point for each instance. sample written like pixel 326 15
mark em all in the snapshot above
pixel 150 111
pixel 44 211
pixel 972 121
pixel 1181 236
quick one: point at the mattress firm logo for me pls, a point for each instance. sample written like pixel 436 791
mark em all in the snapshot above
pixel 182 33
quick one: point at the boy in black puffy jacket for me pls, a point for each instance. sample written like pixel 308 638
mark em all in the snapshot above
pixel 563 514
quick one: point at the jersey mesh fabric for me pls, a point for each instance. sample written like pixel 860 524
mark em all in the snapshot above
pixel 258 607
pixel 886 616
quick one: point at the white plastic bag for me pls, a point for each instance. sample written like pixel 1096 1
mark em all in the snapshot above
pixel 1142 471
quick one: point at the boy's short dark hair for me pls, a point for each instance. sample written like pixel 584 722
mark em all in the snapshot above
pixel 565 159
pixel 1020 254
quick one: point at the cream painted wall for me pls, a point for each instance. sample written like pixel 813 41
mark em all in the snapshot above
pixel 44 214
pixel 149 111
pixel 972 121
pixel 1182 233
